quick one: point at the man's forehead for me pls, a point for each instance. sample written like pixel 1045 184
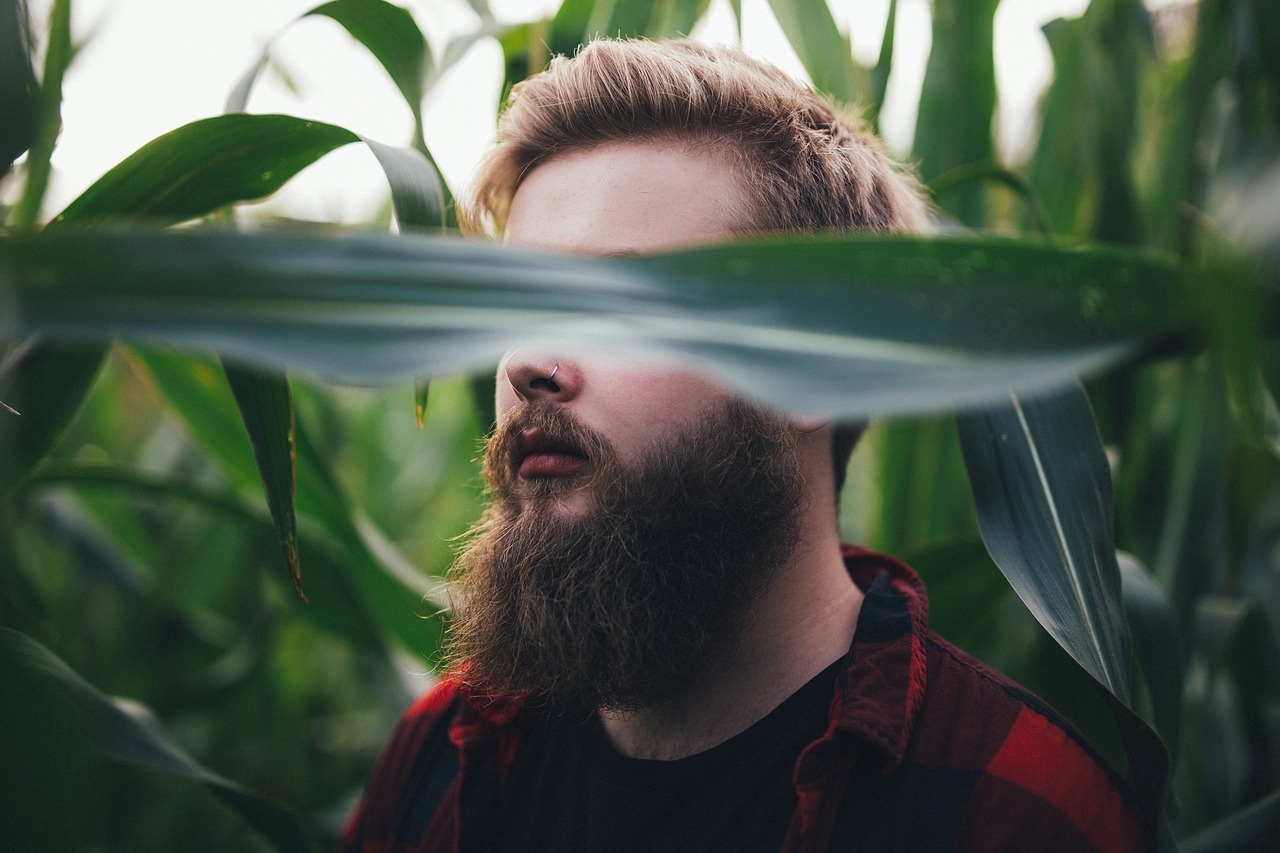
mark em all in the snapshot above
pixel 626 198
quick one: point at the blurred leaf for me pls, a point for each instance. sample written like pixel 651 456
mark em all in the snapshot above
pixel 671 18
pixel 391 587
pixel 19 93
pixel 1043 492
pixel 966 593
pixel 957 103
pixel 975 173
pixel 57 58
pixel 483 393
pixel 924 500
pixel 421 391
pixel 264 403
pixel 826 53
pixel 1251 829
pixel 348 575
pixel 334 605
pixel 884 65
pixel 1083 163
pixel 1156 646
pixel 196 392
pixel 46 384
pixel 128 732
pixel 912 324
pixel 1171 481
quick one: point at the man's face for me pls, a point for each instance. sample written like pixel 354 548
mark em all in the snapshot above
pixel 624 198
pixel 637 510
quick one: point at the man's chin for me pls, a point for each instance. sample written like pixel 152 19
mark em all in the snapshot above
pixel 567 500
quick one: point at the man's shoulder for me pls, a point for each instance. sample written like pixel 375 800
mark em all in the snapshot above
pixel 1021 757
pixel 416 773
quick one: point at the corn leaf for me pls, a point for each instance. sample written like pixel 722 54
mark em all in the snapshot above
pixel 1156 644
pixel 825 52
pixel 42 386
pixel 1043 493
pixel 19 93
pixel 267 410
pixel 911 324
pixel 958 100
pixel 391 35
pixel 203 166
pixel 1251 828
pixel 128 732
pixel 344 570
pixel 59 53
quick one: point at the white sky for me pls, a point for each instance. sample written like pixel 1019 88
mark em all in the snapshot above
pixel 149 66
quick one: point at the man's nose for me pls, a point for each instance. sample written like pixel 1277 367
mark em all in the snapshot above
pixel 536 377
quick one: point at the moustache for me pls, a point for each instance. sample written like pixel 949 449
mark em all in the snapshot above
pixel 539 428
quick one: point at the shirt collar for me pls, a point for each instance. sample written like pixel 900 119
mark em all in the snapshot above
pixel 879 693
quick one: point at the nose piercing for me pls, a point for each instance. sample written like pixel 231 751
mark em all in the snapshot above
pixel 553 372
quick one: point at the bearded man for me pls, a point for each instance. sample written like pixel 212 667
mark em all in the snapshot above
pixel 662 644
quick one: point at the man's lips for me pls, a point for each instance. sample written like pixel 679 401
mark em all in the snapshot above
pixel 538 455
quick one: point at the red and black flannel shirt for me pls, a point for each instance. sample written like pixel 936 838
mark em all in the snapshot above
pixel 926 749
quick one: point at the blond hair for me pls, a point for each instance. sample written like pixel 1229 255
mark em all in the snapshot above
pixel 803 166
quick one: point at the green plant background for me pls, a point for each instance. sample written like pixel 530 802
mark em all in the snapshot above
pixel 1111 545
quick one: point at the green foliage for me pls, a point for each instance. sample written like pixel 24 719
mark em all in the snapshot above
pixel 146 493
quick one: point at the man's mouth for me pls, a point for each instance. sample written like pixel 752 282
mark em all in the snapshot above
pixel 539 455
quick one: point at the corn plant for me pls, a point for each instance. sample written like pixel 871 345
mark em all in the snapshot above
pixel 1074 383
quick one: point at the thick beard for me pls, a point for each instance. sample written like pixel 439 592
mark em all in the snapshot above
pixel 638 597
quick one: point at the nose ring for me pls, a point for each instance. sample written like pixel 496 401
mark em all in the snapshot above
pixel 553 372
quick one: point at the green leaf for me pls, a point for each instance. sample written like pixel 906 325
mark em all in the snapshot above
pixel 390 585
pixel 265 405
pixel 203 166
pixel 824 51
pixel 1254 828
pixel 967 595
pixel 19 93
pixel 1043 492
pixel 1172 470
pixel 580 21
pixel 392 36
pixel 346 570
pixel 925 502
pixel 972 174
pixel 335 605
pixel 958 100
pixel 418 193
pixel 57 58
pixel 208 164
pixel 1082 164
pixel 128 732
pixel 387 31
pixel 421 392
pixel 1156 646
pixel 884 65
pixel 195 391
pixel 912 324
pixel 45 384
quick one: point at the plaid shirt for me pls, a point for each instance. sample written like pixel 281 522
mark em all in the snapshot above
pixel 926 749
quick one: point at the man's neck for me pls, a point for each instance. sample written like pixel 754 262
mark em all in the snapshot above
pixel 803 622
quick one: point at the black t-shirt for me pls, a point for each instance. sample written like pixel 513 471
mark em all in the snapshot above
pixel 572 791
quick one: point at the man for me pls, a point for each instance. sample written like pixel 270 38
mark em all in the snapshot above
pixel 662 644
